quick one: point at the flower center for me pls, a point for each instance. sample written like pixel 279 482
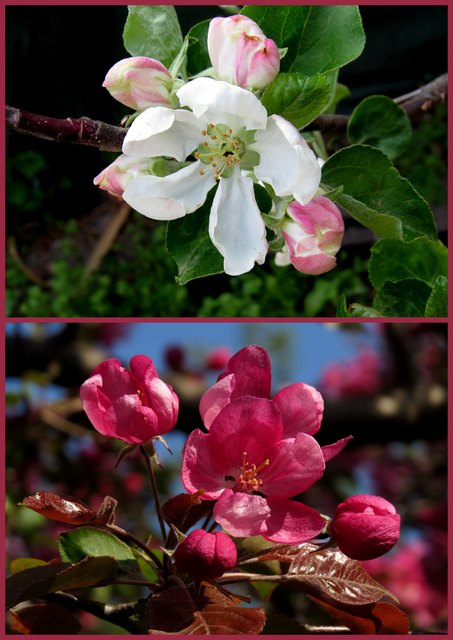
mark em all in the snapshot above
pixel 223 150
pixel 248 479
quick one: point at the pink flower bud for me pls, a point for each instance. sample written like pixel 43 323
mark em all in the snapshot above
pixel 313 236
pixel 134 405
pixel 218 358
pixel 139 83
pixel 115 177
pixel 365 527
pixel 240 52
pixel 204 555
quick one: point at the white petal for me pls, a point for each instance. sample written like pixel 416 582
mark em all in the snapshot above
pixel 172 196
pixel 220 102
pixel 286 161
pixel 235 225
pixel 159 131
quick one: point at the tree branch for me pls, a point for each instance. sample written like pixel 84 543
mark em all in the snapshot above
pixel 107 137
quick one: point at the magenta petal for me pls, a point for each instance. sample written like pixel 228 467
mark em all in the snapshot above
pixel 95 405
pixel 295 465
pixel 215 398
pixel 291 522
pixel 250 425
pixel 204 465
pixel 116 381
pixel 164 402
pixel 252 368
pixel 130 420
pixel 142 368
pixel 241 514
pixel 301 407
pixel 331 450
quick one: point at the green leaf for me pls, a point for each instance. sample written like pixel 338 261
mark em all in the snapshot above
pixel 381 123
pixel 360 311
pixel 296 97
pixel 190 246
pixel 342 309
pixel 376 195
pixel 153 31
pixel 421 259
pixel 404 299
pixel 337 91
pixel 319 38
pixel 89 541
pixel 197 55
pixel 437 305
pixel 21 564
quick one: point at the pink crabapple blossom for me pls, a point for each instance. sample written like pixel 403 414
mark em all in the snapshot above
pixel 116 176
pixel 313 236
pixel 134 405
pixel 248 373
pixel 241 54
pixel 252 468
pixel 139 82
pixel 365 527
pixel 204 555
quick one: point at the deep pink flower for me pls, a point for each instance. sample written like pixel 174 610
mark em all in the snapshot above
pixel 252 469
pixel 218 358
pixel 134 405
pixel 248 373
pixel 359 376
pixel 204 555
pixel 365 527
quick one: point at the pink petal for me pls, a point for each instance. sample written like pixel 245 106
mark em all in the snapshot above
pixel 165 404
pixel 131 421
pixel 301 407
pixel 331 450
pixel 248 373
pixel 215 398
pixel 142 367
pixel 241 514
pixel 204 465
pixel 95 404
pixel 250 425
pixel 116 381
pixel 294 466
pixel 290 522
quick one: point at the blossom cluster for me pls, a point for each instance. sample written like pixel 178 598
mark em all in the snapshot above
pixel 189 136
pixel 256 454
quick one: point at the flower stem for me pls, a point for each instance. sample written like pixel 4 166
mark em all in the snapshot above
pixel 152 480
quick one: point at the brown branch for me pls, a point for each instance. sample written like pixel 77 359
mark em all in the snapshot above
pixel 91 133
pixel 107 137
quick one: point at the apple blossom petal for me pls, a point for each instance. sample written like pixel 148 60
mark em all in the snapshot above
pixel 290 522
pixel 236 227
pixel 331 450
pixel 241 514
pixel 215 398
pixel 131 421
pixel 160 131
pixel 220 102
pixel 286 161
pixel 142 368
pixel 96 404
pixel 252 371
pixel 252 424
pixel 295 464
pixel 174 195
pixel 204 465
pixel 301 406
pixel 115 380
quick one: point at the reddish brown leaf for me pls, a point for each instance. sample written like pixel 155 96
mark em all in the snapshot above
pixel 212 612
pixel 70 510
pixel 380 618
pixel 49 578
pixel 61 508
pixel 332 577
pixel 185 510
pixel 43 619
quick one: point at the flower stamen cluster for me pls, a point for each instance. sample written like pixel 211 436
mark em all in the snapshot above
pixel 248 479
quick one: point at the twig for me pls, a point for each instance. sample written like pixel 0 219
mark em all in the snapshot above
pixel 152 480
pixel 14 253
pixel 106 240
pixel 107 137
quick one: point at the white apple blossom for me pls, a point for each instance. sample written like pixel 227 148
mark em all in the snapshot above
pixel 231 141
